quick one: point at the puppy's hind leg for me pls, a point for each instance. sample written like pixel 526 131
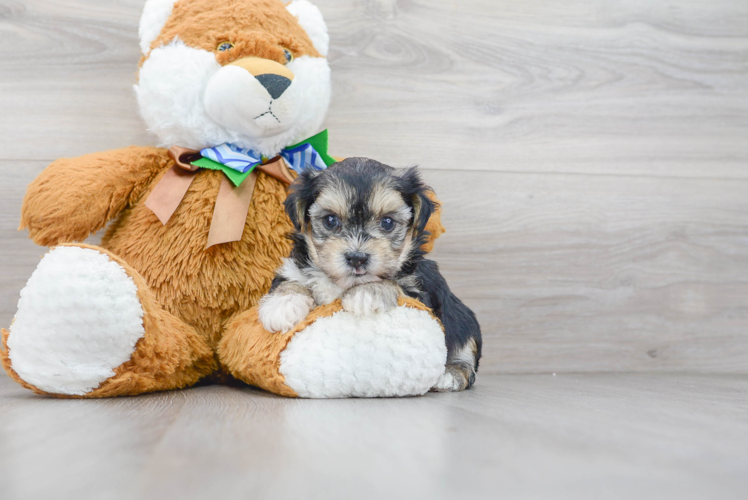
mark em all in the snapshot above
pixel 461 328
pixel 462 333
pixel 459 374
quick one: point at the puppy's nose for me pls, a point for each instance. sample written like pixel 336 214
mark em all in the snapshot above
pixel 274 84
pixel 357 259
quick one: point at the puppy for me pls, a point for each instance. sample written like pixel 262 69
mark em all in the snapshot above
pixel 359 226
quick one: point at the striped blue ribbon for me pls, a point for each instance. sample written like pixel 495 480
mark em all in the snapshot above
pixel 299 158
pixel 303 157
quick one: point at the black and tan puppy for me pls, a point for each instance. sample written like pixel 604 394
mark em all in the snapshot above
pixel 359 228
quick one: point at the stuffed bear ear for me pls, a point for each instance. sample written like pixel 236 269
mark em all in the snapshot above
pixel 310 18
pixel 155 15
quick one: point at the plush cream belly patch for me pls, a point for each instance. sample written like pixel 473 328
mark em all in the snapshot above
pixel 236 93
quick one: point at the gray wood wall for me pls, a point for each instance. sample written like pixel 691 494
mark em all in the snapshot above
pixel 590 155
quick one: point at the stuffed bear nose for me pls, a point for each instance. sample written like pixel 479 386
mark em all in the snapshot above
pixel 274 84
pixel 272 75
pixel 357 259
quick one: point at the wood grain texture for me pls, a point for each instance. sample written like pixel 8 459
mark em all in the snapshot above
pixel 622 87
pixel 18 254
pixel 621 436
pixel 66 73
pixel 591 157
pixel 582 86
pixel 597 273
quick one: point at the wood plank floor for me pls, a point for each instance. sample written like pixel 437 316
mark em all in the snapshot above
pixel 612 436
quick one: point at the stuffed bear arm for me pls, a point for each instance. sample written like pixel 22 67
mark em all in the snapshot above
pixel 74 197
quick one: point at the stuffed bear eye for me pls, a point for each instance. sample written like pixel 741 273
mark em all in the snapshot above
pixel 387 224
pixel 331 221
pixel 224 46
pixel 288 55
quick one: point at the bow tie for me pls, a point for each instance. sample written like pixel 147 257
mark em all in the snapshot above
pixel 298 158
pixel 234 195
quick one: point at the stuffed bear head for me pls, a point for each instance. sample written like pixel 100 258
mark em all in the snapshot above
pixel 251 73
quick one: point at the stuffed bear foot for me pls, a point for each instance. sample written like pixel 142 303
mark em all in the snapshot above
pixel 79 317
pixel 88 326
pixel 334 353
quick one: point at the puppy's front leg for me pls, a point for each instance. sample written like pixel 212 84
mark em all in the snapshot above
pixel 285 307
pixel 371 298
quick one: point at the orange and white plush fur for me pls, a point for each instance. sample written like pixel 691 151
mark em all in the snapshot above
pixel 194 95
pixel 151 308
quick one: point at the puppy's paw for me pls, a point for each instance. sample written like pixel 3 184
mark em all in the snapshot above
pixel 455 378
pixel 371 298
pixel 281 312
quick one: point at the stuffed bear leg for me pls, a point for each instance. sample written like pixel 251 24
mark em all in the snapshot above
pixel 332 354
pixel 89 326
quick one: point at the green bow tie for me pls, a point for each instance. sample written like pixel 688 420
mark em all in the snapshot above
pixel 310 153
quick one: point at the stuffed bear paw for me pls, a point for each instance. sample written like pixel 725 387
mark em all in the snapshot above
pixel 79 318
pixel 282 312
pixel 370 298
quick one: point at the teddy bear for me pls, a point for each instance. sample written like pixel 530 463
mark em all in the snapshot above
pixel 236 92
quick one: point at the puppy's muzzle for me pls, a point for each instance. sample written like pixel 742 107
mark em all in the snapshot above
pixel 275 77
pixel 357 260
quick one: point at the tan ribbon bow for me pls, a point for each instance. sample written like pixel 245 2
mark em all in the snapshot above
pixel 232 203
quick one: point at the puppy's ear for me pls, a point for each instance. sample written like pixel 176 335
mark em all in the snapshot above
pixel 301 195
pixel 415 193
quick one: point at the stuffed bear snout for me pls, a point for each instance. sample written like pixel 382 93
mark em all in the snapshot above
pixel 254 96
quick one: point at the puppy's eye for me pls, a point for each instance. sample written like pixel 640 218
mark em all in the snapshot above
pixel 224 46
pixel 331 221
pixel 288 55
pixel 387 224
